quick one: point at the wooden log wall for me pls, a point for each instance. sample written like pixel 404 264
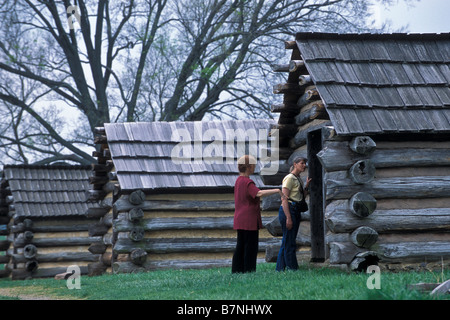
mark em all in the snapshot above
pixel 302 108
pixel 5 193
pixel 177 231
pixel 44 247
pixel 142 232
pixel 387 201
pixel 105 190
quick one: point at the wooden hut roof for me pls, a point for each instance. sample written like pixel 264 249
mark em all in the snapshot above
pixel 48 191
pixel 149 155
pixel 381 83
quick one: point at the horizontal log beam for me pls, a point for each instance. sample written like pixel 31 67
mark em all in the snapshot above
pixel 337 156
pixel 129 267
pixel 283 88
pixel 175 245
pixel 313 110
pixel 302 134
pixel 413 251
pixel 340 219
pixel 294 65
pixel 58 242
pixel 280 67
pixel 158 224
pixel 123 204
pixel 285 107
pixel 22 274
pixel 310 94
pixel 339 186
pixel 59 257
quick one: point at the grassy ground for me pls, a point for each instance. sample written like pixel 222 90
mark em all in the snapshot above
pixel 310 283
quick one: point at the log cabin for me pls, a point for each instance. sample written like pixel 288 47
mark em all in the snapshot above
pixel 44 210
pixel 168 187
pixel 372 114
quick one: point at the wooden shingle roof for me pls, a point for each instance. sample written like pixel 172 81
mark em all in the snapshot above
pixel 48 191
pixel 381 83
pixel 181 155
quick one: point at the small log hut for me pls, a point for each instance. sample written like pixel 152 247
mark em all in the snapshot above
pixel 372 114
pixel 168 188
pixel 44 209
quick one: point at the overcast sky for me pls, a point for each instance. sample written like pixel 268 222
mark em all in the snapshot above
pixel 423 17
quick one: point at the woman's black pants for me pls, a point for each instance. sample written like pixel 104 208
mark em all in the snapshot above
pixel 245 255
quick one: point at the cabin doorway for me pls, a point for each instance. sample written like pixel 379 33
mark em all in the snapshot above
pixel 316 196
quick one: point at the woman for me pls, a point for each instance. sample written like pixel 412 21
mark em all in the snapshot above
pixel 289 214
pixel 247 216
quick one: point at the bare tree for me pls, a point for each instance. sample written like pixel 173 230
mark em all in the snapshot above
pixel 133 60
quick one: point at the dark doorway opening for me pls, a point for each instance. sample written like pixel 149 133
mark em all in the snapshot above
pixel 316 196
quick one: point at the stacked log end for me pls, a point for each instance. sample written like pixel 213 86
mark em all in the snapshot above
pixel 380 208
pixel 104 190
pixel 302 106
pixel 5 193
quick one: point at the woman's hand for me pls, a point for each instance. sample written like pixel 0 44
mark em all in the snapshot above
pixel 288 223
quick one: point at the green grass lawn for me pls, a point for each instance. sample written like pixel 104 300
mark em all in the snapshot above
pixel 310 283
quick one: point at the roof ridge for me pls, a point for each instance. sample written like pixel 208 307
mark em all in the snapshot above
pixel 50 167
pixel 373 36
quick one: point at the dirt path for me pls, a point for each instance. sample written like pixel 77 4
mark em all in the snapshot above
pixel 25 294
